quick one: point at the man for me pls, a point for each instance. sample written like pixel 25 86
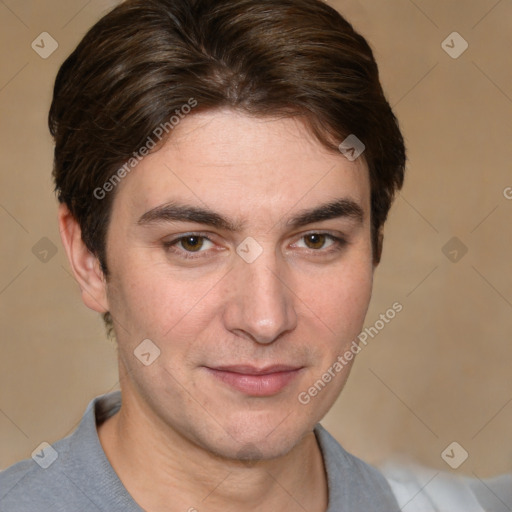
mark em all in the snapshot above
pixel 224 170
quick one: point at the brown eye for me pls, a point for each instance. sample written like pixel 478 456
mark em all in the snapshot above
pixel 190 246
pixel 192 243
pixel 315 240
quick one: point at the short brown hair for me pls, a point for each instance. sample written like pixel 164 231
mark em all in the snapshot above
pixel 147 58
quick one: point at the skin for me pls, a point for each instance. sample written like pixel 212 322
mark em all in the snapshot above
pixel 183 438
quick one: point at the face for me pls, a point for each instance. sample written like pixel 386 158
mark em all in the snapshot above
pixel 242 250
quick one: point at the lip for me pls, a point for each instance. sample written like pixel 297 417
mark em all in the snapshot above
pixel 253 381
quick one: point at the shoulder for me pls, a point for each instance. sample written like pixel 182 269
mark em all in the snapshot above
pixel 71 474
pixel 37 483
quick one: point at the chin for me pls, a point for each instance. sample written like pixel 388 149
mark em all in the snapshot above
pixel 250 452
pixel 252 437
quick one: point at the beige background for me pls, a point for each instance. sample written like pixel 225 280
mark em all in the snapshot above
pixel 439 372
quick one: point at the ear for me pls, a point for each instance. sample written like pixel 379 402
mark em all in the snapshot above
pixel 85 265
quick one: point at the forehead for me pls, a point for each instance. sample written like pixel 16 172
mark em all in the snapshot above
pixel 247 166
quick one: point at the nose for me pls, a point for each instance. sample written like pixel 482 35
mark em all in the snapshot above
pixel 261 304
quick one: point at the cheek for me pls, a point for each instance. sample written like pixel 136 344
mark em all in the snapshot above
pixel 154 300
pixel 340 297
pixel 353 299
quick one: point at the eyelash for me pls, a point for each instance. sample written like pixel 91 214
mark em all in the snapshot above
pixel 338 244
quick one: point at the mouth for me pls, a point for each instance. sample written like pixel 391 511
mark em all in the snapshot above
pixel 253 381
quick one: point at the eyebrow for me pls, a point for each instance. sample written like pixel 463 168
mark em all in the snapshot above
pixel 335 209
pixel 172 211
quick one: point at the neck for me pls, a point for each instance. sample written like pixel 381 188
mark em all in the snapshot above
pixel 164 471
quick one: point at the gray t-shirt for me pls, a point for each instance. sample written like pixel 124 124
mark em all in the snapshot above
pixel 81 478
